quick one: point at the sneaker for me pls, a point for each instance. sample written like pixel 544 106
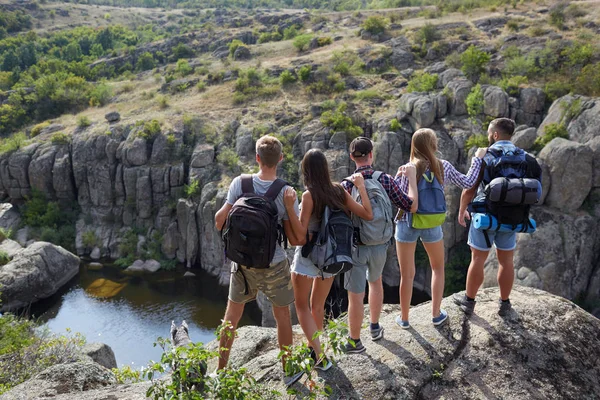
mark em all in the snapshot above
pixel 440 319
pixel 504 308
pixel 324 364
pixel 463 303
pixel 289 380
pixel 376 333
pixel 355 348
pixel 402 324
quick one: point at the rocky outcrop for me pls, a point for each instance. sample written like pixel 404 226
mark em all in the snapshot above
pixel 10 219
pixel 35 273
pixel 101 353
pixel 75 379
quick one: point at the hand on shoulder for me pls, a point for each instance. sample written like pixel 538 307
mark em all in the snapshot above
pixel 358 179
pixel 289 197
pixel 480 153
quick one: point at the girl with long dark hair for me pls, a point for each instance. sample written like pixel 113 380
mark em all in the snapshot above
pixel 311 286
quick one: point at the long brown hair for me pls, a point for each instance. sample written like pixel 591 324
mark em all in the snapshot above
pixel 422 153
pixel 315 173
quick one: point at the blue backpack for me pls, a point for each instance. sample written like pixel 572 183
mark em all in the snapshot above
pixel 432 203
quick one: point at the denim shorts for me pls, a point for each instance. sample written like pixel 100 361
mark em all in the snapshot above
pixel 406 234
pixel 303 266
pixel 503 240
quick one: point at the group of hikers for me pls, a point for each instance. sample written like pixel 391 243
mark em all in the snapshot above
pixel 347 227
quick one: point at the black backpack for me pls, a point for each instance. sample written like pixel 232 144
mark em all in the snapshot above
pixel 331 248
pixel 252 229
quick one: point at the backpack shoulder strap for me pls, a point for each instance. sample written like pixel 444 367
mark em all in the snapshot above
pixel 275 188
pixel 376 175
pixel 247 183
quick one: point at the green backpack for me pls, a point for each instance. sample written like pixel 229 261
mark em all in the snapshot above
pixel 432 203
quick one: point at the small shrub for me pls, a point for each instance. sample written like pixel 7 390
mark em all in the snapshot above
pixel 60 138
pixel 183 68
pixel 228 158
pixel 287 78
pixel 557 17
pixel 233 46
pixel 422 82
pixel 192 190
pixel 83 121
pixel 551 131
pixel 453 60
pixel 475 102
pixel 150 130
pixel 428 33
pixel 511 85
pixel 474 62
pixel 476 141
pixel 145 62
pixel 324 41
pixel 395 125
pixel 367 94
pixel 588 80
pixel 558 88
pixel 100 95
pixel 579 55
pixel 12 143
pixel 36 130
pixel 4 258
pixel 375 24
pixel 127 375
pixel 290 33
pixel 512 25
pixel 5 234
pixel 201 86
pixel 339 121
pixel 182 51
pixel 301 42
pixel 537 31
pixel 304 73
pixel 90 240
pixel 163 102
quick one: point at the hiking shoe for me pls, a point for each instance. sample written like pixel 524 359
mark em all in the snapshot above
pixel 376 333
pixel 322 365
pixel 289 380
pixel 402 324
pixel 440 319
pixel 463 303
pixel 504 308
pixel 355 348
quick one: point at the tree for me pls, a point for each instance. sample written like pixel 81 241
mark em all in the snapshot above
pixel 85 44
pixel 375 24
pixel 182 51
pixel 105 38
pixel 72 52
pixel 97 51
pixel 10 62
pixel 301 42
pixel 473 62
pixel 145 62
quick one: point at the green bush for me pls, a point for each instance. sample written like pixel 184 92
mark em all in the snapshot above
pixel 301 42
pixel 162 101
pixel 558 88
pixel 422 82
pixel 475 102
pixel 100 95
pixel 5 234
pixel 579 54
pixel 511 85
pixel 556 17
pixel 375 24
pixel 150 129
pixel 36 130
pixel 324 41
pixel 290 33
pixel 233 46
pixel 182 51
pixel 551 131
pixel 192 190
pixel 428 33
pixel 4 258
pixel 183 68
pixel 520 66
pixel 287 78
pixel 588 80
pixel 201 86
pixel 368 94
pixel 476 141
pixel 60 138
pixel 83 121
pixel 395 125
pixel 12 143
pixel 453 60
pixel 90 240
pixel 145 62
pixel 474 62
pixel 338 121
pixel 304 73
pixel 228 158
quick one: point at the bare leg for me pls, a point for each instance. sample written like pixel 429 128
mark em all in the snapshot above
pixel 356 313
pixel 375 299
pixel 475 273
pixel 506 272
pixel 232 315
pixel 284 328
pixel 318 296
pixel 302 287
pixel 406 259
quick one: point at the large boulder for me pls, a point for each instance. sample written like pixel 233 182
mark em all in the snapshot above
pixel 531 106
pixel 35 273
pixel 570 165
pixel 459 89
pixel 74 378
pixel 584 127
pixel 495 102
pixel 525 138
pixel 484 356
pixel 101 353
pixel 402 59
pixel 10 219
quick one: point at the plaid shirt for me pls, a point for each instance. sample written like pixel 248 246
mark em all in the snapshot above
pixel 390 185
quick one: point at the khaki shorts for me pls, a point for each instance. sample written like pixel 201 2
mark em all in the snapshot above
pixel 368 265
pixel 275 282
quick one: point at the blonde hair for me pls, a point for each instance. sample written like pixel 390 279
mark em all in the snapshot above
pixel 422 153
pixel 269 149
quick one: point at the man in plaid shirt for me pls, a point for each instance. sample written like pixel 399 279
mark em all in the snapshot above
pixel 370 260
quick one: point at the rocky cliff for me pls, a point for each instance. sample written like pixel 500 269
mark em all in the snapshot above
pixel 547 348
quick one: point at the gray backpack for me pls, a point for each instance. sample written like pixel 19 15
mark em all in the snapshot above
pixel 380 229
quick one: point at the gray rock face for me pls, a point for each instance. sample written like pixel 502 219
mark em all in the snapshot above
pixel 10 219
pixel 112 116
pixel 35 273
pixel 531 106
pixel 10 247
pixel 449 75
pixel 459 90
pixel 570 166
pixel 584 127
pixel 423 108
pixel 402 59
pixel 74 378
pixel 495 102
pixel 594 145
pixel 242 53
pixel 525 138
pixel 559 257
pixel 101 353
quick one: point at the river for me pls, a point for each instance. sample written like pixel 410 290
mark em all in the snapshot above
pixel 130 312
